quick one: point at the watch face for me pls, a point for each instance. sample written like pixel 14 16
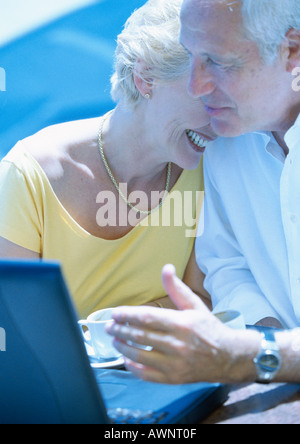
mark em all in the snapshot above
pixel 269 361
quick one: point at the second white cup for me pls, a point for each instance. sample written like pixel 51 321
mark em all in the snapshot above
pixel 232 318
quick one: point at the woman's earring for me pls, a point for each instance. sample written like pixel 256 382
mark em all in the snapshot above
pixel 148 96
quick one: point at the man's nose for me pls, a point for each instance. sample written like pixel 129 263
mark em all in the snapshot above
pixel 200 82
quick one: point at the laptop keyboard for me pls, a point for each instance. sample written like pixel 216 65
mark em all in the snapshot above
pixel 127 416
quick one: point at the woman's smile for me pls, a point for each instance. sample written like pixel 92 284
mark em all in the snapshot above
pixel 198 141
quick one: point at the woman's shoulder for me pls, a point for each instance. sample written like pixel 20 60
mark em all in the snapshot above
pixel 58 149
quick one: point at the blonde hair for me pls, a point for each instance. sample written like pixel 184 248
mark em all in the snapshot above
pixel 151 34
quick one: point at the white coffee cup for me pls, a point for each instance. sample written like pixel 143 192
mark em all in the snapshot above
pixel 94 334
pixel 232 318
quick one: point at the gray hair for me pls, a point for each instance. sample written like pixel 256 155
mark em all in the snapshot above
pixel 151 34
pixel 267 22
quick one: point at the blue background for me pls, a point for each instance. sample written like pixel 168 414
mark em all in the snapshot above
pixel 61 71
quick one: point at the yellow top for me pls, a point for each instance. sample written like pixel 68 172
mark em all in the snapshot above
pixel 100 273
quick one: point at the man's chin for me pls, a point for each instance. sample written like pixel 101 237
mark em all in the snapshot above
pixel 226 129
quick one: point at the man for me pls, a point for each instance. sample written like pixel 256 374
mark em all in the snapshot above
pixel 243 57
pixel 249 250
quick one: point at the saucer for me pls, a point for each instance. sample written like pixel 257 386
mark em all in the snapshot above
pixel 117 362
pixel 107 363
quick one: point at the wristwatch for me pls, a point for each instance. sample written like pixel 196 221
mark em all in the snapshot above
pixel 268 361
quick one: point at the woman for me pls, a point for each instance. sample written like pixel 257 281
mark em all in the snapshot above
pixel 64 191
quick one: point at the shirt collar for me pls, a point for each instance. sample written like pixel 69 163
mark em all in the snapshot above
pixel 272 146
pixel 292 137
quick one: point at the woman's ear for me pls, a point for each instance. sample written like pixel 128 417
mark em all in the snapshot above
pixel 293 47
pixel 142 80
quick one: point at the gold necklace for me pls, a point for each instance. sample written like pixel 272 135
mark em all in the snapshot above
pixel 100 140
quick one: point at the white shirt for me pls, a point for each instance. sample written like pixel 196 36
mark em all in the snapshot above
pixel 250 247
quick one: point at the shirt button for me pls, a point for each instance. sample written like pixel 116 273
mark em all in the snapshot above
pixel 293 218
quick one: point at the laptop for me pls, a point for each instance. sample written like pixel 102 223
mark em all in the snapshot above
pixel 46 375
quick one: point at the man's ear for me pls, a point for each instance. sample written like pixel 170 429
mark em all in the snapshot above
pixel 142 78
pixel 293 47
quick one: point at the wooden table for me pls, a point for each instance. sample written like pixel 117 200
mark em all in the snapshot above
pixel 259 404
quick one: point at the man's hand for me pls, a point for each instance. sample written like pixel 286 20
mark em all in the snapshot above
pixel 189 345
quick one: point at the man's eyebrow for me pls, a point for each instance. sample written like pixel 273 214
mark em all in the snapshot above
pixel 228 58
